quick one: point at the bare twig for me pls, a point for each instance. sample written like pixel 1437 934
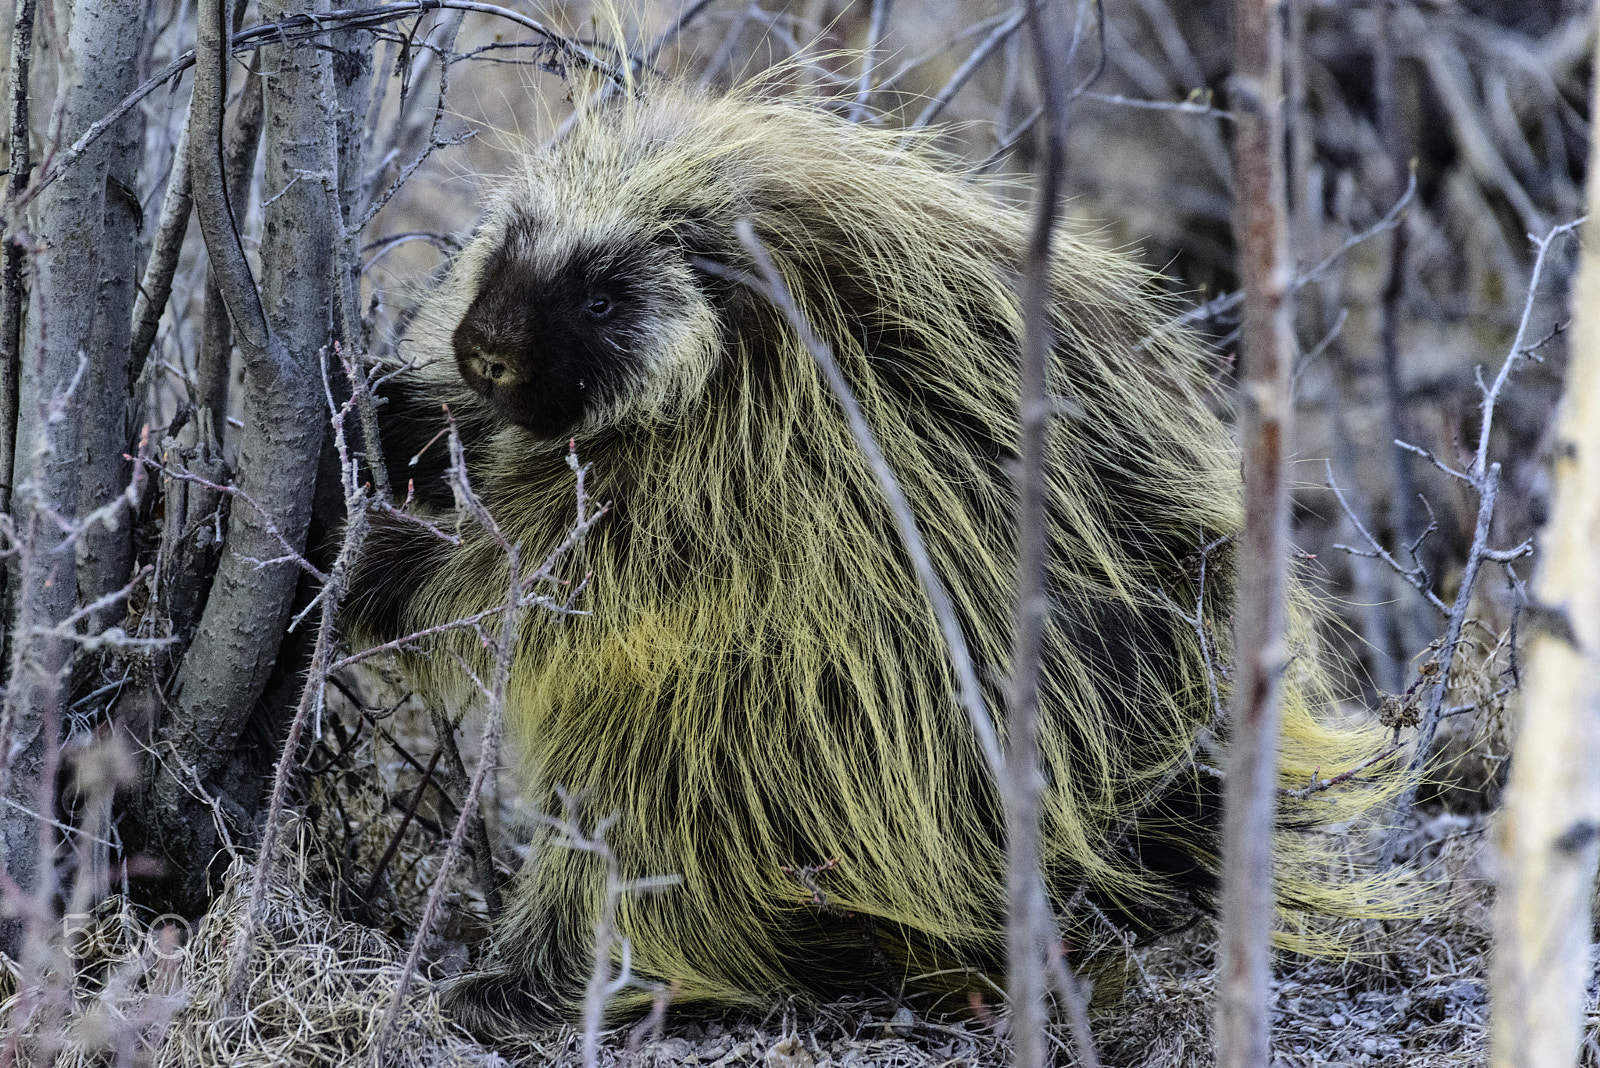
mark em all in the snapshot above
pixel 963 73
pixel 504 650
pixel 312 694
pixel 1416 576
pixel 399 832
pixel 1198 621
pixel 1519 347
pixel 1201 107
pixel 1070 996
pixel 1406 503
pixel 1484 480
pixel 1227 303
pixel 156 286
pixel 1022 787
pixel 445 51
pixel 770 283
pixel 1260 643
pixel 300 27
pixel 1317 786
pixel 869 58
pixel 603 985
pixel 481 849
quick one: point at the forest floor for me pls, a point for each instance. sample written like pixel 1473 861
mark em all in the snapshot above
pixel 1416 996
pixel 1411 994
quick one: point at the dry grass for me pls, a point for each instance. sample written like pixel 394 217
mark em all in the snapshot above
pixel 317 989
pixel 319 985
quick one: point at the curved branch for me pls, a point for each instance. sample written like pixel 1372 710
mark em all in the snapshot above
pixel 208 180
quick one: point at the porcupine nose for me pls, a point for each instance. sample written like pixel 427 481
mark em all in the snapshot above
pixel 487 371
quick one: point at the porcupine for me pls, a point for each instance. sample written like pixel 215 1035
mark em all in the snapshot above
pixel 759 686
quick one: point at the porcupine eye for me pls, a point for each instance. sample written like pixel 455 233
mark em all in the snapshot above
pixel 600 306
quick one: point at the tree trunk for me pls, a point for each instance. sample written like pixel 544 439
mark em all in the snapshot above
pixel 1549 830
pixel 281 340
pixel 65 354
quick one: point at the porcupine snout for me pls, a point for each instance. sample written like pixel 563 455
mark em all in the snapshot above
pixel 484 365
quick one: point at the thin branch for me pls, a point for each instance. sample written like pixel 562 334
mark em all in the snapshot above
pixel 1547 835
pixel 1317 786
pixel 399 833
pixel 488 758
pixel 268 525
pixel 1184 107
pixel 1488 490
pixel 869 59
pixel 297 28
pixel 445 50
pixel 481 849
pixel 996 38
pixel 312 694
pixel 1243 1032
pixel 603 985
pixel 771 285
pixel 1028 917
pixel 1416 577
pixel 1070 996
pixel 1518 349
pixel 155 289
pixel 670 35
pixel 1225 303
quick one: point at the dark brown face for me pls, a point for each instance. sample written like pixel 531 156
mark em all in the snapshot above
pixel 547 350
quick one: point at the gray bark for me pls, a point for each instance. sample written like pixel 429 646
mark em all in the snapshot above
pixel 58 340
pixel 214 366
pixel 106 407
pixel 280 335
pixel 11 291
pixel 11 300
